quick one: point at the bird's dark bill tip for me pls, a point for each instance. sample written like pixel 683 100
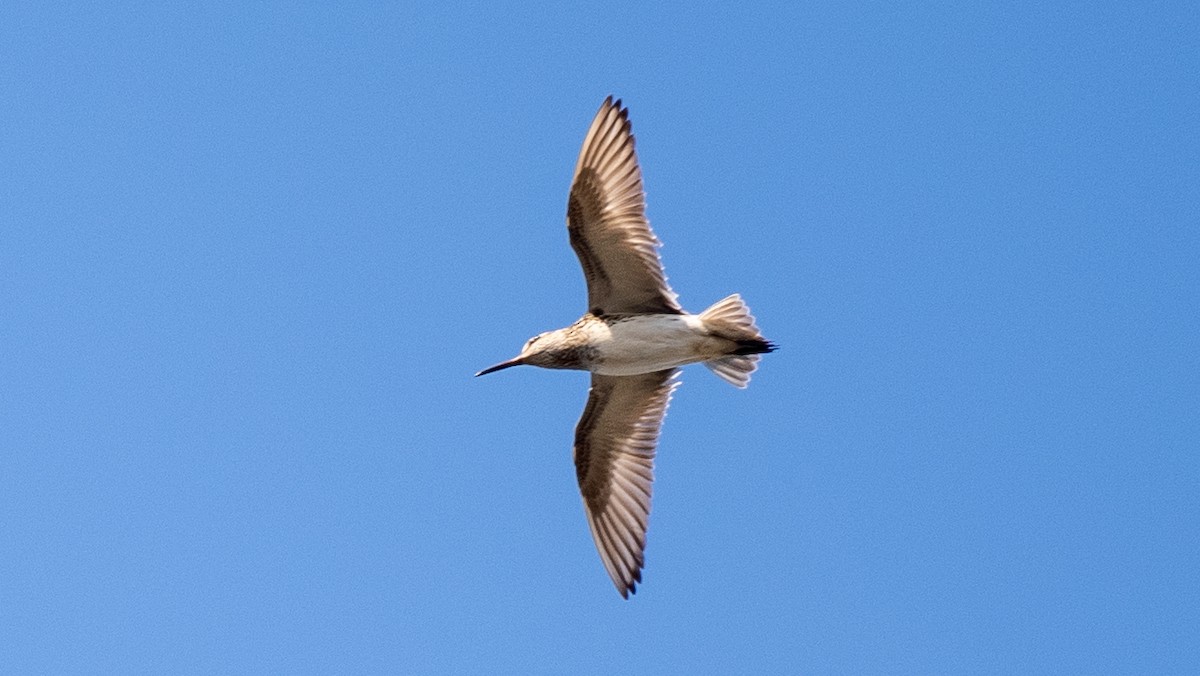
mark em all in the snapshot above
pixel 498 367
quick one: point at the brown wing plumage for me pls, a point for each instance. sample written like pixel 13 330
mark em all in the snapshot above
pixel 614 462
pixel 606 218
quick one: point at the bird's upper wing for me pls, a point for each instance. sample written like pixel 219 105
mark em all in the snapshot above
pixel 606 218
pixel 614 462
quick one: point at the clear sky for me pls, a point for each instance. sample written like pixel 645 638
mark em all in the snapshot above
pixel 251 255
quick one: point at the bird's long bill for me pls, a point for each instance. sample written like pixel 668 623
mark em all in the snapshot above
pixel 516 361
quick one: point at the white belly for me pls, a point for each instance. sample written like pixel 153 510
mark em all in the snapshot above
pixel 651 343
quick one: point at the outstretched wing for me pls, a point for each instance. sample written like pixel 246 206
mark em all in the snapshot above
pixel 614 462
pixel 606 218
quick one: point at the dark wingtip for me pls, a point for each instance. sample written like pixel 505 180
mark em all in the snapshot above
pixel 613 102
pixel 631 586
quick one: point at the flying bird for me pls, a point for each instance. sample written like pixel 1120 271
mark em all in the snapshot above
pixel 633 338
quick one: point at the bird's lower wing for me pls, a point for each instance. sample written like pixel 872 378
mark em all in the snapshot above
pixel 614 461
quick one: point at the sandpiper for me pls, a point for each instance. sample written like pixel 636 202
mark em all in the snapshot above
pixel 633 338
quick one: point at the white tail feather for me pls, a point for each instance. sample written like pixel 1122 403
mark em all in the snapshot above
pixel 734 369
pixel 730 318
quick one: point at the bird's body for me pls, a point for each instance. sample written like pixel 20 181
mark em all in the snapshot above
pixel 628 345
pixel 632 344
pixel 633 339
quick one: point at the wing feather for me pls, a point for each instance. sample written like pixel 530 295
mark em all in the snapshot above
pixel 606 220
pixel 615 444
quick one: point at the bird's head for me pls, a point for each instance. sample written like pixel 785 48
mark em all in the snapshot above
pixel 545 349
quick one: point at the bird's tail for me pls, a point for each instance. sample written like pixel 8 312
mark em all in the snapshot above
pixel 729 318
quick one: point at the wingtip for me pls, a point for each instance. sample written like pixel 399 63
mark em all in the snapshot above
pixel 630 587
pixel 612 102
pixel 630 590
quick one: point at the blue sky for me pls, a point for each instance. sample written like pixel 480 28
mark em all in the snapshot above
pixel 251 254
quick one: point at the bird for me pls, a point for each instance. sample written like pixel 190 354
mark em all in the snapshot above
pixel 633 338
